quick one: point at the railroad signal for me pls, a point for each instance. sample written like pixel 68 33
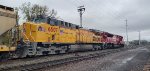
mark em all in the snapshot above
pixel 81 10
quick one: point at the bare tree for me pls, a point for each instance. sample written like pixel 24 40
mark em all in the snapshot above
pixel 52 13
pixel 26 10
pixel 30 11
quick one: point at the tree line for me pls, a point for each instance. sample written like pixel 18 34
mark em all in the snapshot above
pixel 31 11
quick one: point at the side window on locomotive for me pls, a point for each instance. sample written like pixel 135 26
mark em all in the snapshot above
pixel 58 23
pixel 66 24
pixel 70 25
pixel 62 23
pixel 77 27
pixel 52 22
pixel 48 20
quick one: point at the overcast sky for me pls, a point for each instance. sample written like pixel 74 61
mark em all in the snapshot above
pixel 105 15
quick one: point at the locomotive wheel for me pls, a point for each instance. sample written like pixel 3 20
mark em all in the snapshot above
pixel 57 51
pixel 67 50
pixel 4 56
pixel 19 53
pixel 0 55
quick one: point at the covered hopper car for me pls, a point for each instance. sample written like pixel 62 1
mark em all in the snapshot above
pixel 7 22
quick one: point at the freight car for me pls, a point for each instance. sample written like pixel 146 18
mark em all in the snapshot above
pixel 7 21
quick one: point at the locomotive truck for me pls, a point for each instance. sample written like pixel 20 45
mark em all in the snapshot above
pixel 45 35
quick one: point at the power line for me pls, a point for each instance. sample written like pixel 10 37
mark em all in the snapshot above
pixel 73 2
pixel 89 3
pixel 107 5
pixel 113 13
pixel 114 10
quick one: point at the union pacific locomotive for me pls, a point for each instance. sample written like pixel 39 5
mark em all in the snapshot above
pixel 45 35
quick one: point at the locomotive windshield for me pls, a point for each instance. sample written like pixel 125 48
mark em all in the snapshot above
pixel 44 19
pixel 39 19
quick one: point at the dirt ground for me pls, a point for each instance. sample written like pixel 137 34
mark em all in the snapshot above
pixel 130 60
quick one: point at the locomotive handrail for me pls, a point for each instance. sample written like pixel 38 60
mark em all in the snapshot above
pixel 25 36
pixel 32 38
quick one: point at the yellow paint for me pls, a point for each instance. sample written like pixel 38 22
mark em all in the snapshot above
pixel 56 34
pixel 4 48
pixel 85 36
pixel 67 35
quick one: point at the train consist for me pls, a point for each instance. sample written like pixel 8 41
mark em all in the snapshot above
pixel 45 35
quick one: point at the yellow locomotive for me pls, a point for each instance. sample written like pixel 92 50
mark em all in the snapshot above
pixel 43 32
pixel 45 35
pixel 50 36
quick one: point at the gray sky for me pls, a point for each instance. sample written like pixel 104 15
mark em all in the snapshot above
pixel 105 15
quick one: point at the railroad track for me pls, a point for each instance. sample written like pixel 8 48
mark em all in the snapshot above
pixel 147 65
pixel 45 64
pixel 42 62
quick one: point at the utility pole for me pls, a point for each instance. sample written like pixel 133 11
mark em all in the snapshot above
pixel 81 10
pixel 139 37
pixel 127 31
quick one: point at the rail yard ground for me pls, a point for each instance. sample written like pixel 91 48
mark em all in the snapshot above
pixel 129 60
pixel 132 58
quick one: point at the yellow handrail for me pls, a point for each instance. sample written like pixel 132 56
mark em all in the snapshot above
pixel 32 38
pixel 25 36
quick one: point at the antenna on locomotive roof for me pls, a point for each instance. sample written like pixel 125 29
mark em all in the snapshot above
pixel 81 10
